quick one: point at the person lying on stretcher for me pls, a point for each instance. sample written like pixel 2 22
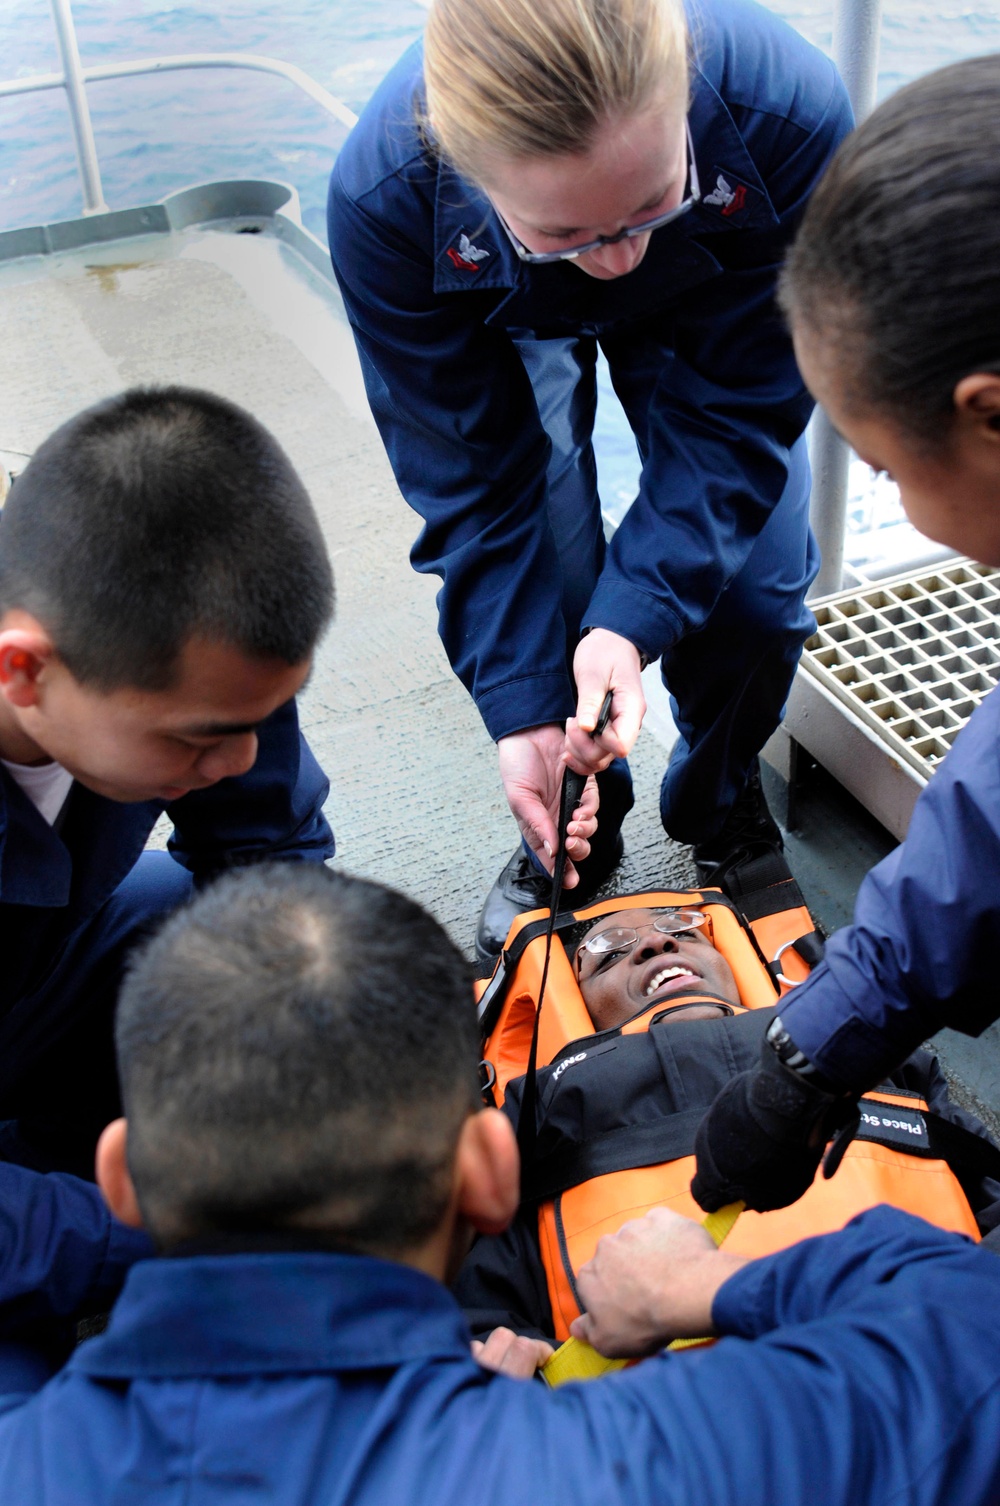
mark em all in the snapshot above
pixel 610 1090
pixel 635 958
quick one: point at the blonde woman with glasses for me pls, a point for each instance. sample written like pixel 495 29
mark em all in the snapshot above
pixel 539 179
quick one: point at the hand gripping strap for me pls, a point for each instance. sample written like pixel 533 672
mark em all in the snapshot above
pixel 527 1123
pixel 577 1360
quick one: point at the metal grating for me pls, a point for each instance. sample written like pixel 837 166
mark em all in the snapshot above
pixel 912 657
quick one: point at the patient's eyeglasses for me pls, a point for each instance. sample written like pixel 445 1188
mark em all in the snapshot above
pixel 540 258
pixel 604 948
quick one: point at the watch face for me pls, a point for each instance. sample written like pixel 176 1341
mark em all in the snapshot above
pixel 777 1037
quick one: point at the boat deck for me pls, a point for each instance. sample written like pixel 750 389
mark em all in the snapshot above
pixel 220 287
pixel 241 306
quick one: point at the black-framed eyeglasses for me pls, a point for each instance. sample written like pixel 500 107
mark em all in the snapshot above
pixel 613 943
pixel 539 258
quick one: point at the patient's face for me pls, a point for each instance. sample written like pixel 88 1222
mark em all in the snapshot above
pixel 617 985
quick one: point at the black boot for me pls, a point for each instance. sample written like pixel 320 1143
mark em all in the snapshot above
pixel 748 835
pixel 521 887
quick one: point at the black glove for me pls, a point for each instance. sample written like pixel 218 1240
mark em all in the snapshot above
pixel 765 1134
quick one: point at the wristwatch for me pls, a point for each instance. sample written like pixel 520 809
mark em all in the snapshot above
pixel 796 1061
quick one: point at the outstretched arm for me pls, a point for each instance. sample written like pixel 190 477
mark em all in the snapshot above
pixel 855 1367
pixel 532 769
pixel 922 950
pixel 920 955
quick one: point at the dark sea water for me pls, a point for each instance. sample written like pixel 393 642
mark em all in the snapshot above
pixel 157 134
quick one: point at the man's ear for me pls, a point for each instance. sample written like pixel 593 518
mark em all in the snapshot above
pixel 488 1171
pixel 113 1177
pixel 977 403
pixel 25 650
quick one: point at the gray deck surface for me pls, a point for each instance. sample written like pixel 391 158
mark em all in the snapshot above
pixel 416 800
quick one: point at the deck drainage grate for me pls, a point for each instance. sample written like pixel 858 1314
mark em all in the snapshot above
pixel 913 657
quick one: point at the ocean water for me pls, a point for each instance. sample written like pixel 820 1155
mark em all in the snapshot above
pixel 157 134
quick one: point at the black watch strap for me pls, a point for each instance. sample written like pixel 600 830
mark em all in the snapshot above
pixel 796 1061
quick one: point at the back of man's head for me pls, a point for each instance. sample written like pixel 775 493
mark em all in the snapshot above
pixel 156 516
pixel 297 1048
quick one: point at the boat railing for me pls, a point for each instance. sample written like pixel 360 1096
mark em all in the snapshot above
pixel 74 79
pixel 856 31
pixel 857 26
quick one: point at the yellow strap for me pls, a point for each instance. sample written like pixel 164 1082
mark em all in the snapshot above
pixel 577 1360
pixel 720 1223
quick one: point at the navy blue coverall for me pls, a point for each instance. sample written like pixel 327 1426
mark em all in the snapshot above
pixel 857 1370
pixel 924 948
pixel 481 375
pixel 75 899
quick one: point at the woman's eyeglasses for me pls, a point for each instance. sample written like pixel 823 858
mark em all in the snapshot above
pixel 538 258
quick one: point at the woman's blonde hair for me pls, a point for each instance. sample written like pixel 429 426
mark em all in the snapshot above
pixel 537 78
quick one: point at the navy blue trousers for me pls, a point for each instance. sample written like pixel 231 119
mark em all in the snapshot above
pixel 729 680
pixel 58 1082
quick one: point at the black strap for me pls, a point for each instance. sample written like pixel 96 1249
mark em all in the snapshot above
pixel 671 1136
pixel 970 1155
pixel 493 995
pixel 963 1149
pixel 573 785
pixel 811 948
pixel 527 1124
pixel 666 1138
pixel 763 886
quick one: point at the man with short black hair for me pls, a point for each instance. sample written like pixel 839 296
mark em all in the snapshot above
pixel 316 1031
pixel 163 584
pixel 298 1058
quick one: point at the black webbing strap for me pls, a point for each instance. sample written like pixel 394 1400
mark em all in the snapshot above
pixel 573 785
pixel 810 948
pixel 671 1136
pixel 763 886
pixel 666 1138
pixel 527 1123
pixel 766 886
pixel 968 1155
